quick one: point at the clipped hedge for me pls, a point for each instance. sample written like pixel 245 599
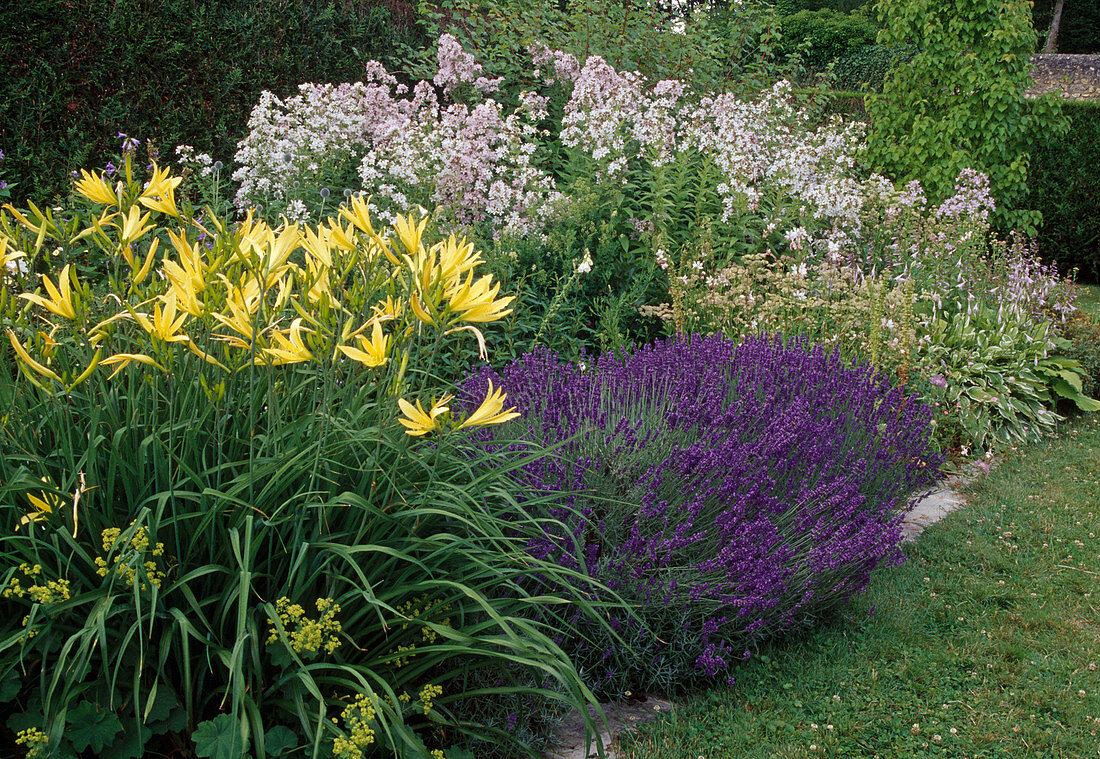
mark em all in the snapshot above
pixel 179 71
pixel 1065 185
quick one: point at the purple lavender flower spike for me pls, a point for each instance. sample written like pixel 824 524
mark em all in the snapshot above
pixel 725 492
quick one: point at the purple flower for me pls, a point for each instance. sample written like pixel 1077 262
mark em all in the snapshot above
pixel 938 381
pixel 110 169
pixel 128 143
pixel 726 491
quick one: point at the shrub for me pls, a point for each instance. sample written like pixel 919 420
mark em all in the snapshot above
pixel 924 294
pixel 216 531
pixel 727 492
pixel 829 34
pixel 1064 187
pixel 958 103
pixel 174 72
pixel 1082 332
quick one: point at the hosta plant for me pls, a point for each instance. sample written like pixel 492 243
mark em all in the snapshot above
pixel 222 532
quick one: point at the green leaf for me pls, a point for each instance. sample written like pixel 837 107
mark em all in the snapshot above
pixel 1087 404
pixel 1073 378
pixel 220 738
pixel 92 726
pixel 278 740
pixel 165 714
pixel 9 686
pixel 131 744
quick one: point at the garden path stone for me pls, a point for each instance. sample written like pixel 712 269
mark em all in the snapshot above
pixel 620 718
pixel 941 501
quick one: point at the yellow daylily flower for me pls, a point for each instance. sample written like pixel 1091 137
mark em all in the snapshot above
pixel 370 352
pixel 88 371
pixel 60 301
pixel 95 188
pixel 134 225
pixel 188 277
pixel 456 257
pixel 138 274
pixel 359 216
pixel 477 301
pixel 26 357
pixel 125 359
pixel 491 410
pixel 164 324
pixel 390 308
pixel 342 237
pixel 38 230
pixel 44 505
pixel 240 321
pixel 421 314
pixel 5 257
pixel 420 422
pixel 291 348
pixel 271 247
pixel 410 233
pixel 159 194
pixel 49 344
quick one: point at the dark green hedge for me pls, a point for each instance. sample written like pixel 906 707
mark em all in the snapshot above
pixel 77 72
pixel 1064 180
pixel 1079 31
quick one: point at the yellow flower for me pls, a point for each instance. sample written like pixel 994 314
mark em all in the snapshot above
pixel 5 257
pixel 388 309
pixel 477 301
pixel 134 225
pixel 242 306
pixel 164 325
pixel 139 273
pixel 188 276
pixel 370 352
pixel 26 357
pixel 491 410
pixel 96 189
pixel 419 422
pixel 125 359
pixel 292 349
pixel 410 233
pixel 60 301
pixel 456 257
pixel 44 504
pixel 159 194
pixel 421 314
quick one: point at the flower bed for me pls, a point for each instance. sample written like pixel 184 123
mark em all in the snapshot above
pixel 725 492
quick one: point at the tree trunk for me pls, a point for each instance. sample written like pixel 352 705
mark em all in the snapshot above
pixel 1052 35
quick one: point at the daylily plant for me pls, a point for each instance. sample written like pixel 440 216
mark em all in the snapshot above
pixel 252 294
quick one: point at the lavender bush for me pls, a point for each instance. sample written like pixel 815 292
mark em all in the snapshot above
pixel 725 492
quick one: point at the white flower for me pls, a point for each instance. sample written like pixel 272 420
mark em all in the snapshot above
pixel 585 266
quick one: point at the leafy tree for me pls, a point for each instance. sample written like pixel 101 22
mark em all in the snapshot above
pixel 959 102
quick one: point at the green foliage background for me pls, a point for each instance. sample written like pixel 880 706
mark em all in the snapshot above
pixel 958 103
pixel 1065 186
pixel 176 71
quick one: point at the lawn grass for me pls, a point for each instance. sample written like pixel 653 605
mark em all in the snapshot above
pixel 985 643
pixel 1089 299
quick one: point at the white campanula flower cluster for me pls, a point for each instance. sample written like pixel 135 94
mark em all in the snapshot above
pixel 456 67
pixel 472 164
